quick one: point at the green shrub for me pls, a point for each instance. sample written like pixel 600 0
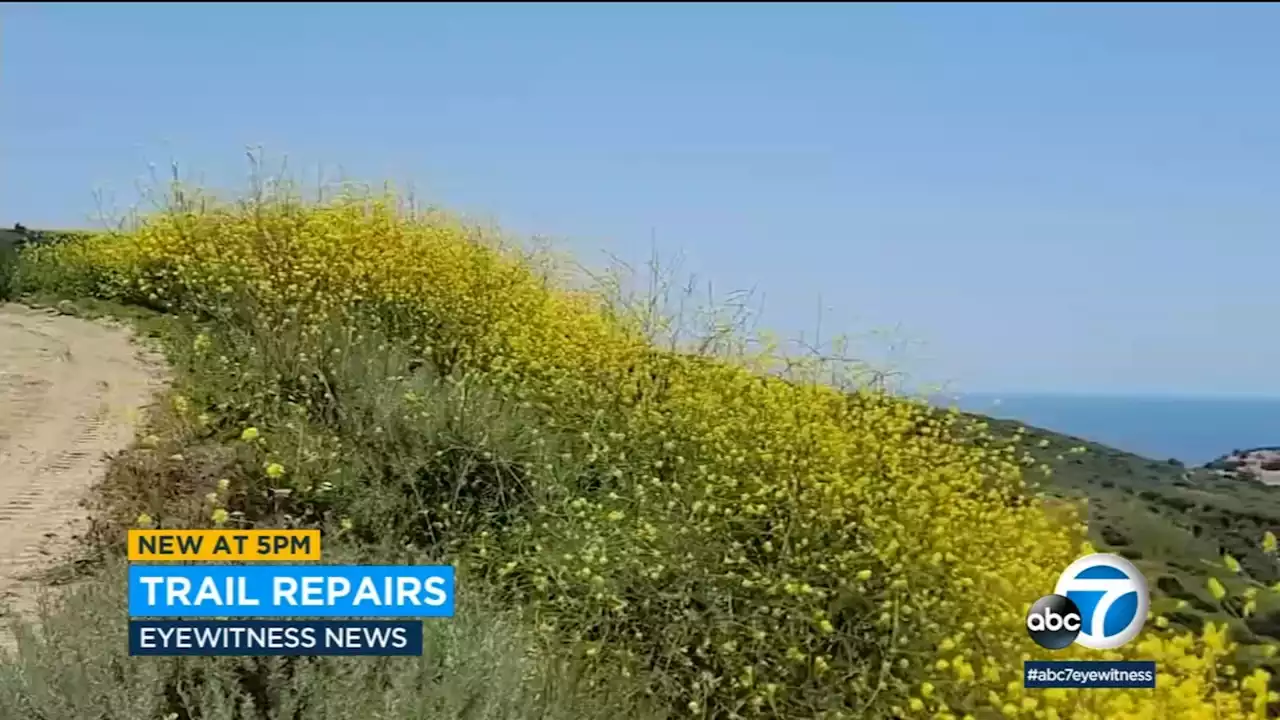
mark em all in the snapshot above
pixel 8 270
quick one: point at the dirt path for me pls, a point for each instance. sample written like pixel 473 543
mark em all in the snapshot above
pixel 71 391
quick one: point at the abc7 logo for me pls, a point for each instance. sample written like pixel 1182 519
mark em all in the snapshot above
pixel 1100 602
pixel 1054 622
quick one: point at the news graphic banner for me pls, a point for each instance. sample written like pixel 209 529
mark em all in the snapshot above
pixel 275 637
pixel 313 591
pixel 223 545
pixel 1080 674
pixel 165 596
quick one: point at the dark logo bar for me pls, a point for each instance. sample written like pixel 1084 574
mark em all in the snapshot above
pixel 1089 674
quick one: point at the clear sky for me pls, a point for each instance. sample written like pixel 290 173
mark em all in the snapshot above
pixel 1038 197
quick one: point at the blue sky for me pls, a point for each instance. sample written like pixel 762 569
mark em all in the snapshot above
pixel 1037 198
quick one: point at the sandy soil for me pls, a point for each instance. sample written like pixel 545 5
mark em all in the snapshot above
pixel 71 391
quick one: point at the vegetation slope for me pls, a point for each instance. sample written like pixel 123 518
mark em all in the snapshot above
pixel 699 535
pixel 1176 523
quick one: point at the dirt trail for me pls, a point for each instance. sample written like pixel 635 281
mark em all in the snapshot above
pixel 71 391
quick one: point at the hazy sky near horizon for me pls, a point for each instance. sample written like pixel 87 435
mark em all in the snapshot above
pixel 1040 198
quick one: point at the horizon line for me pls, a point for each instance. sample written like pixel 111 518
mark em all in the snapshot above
pixel 1108 394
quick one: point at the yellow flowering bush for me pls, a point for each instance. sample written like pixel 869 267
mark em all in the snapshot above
pixel 761 547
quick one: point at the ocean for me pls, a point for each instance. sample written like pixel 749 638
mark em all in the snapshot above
pixel 1192 430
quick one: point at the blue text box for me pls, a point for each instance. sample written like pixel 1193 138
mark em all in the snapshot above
pixel 1088 674
pixel 291 591
pixel 275 637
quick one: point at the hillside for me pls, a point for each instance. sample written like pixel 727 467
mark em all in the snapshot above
pixel 692 534
pixel 17 236
pixel 1175 522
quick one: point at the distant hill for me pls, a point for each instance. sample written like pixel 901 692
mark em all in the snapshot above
pixel 11 238
pixel 19 235
pixel 1174 522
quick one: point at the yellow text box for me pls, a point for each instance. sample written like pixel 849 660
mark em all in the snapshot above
pixel 223 545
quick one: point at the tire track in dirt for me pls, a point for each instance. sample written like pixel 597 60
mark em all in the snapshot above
pixel 70 393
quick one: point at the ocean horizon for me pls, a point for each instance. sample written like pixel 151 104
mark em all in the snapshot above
pixel 1192 429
